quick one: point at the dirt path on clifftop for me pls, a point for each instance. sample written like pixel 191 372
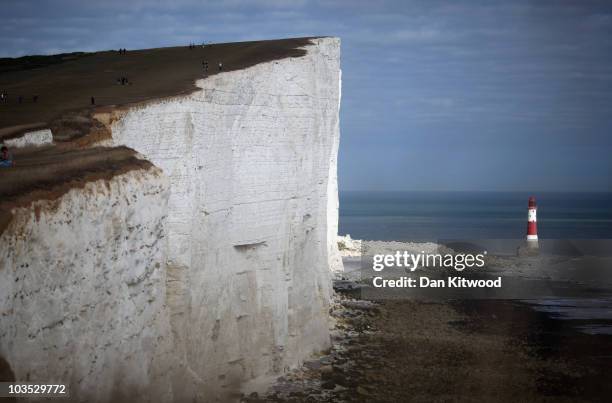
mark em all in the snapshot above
pixel 482 351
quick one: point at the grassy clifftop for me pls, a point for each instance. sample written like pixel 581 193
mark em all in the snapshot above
pixel 65 83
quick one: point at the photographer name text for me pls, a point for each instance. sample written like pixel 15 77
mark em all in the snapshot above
pixel 426 282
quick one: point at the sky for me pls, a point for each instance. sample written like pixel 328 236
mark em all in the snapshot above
pixel 437 95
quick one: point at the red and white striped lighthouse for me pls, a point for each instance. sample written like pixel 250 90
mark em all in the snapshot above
pixel 532 226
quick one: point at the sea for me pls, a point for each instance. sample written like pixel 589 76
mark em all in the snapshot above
pixel 435 216
pixel 431 216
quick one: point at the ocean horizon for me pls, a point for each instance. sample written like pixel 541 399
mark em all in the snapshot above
pixel 435 215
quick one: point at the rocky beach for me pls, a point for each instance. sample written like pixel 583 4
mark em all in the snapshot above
pixel 450 351
pixel 453 350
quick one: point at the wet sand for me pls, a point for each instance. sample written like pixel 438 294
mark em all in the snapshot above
pixel 493 351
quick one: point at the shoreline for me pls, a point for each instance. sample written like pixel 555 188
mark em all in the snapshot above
pixel 429 350
pixel 454 350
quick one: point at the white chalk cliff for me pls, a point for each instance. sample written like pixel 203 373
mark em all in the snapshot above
pixel 33 138
pixel 212 269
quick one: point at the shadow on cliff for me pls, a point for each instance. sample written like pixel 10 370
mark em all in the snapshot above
pixel 6 375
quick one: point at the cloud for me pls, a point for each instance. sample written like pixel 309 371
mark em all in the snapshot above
pixel 413 71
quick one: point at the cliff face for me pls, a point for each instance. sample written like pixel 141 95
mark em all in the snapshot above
pixel 252 213
pixel 33 138
pixel 219 276
pixel 82 289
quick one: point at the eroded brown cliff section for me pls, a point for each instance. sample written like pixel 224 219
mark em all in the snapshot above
pixel 64 85
pixel 47 173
